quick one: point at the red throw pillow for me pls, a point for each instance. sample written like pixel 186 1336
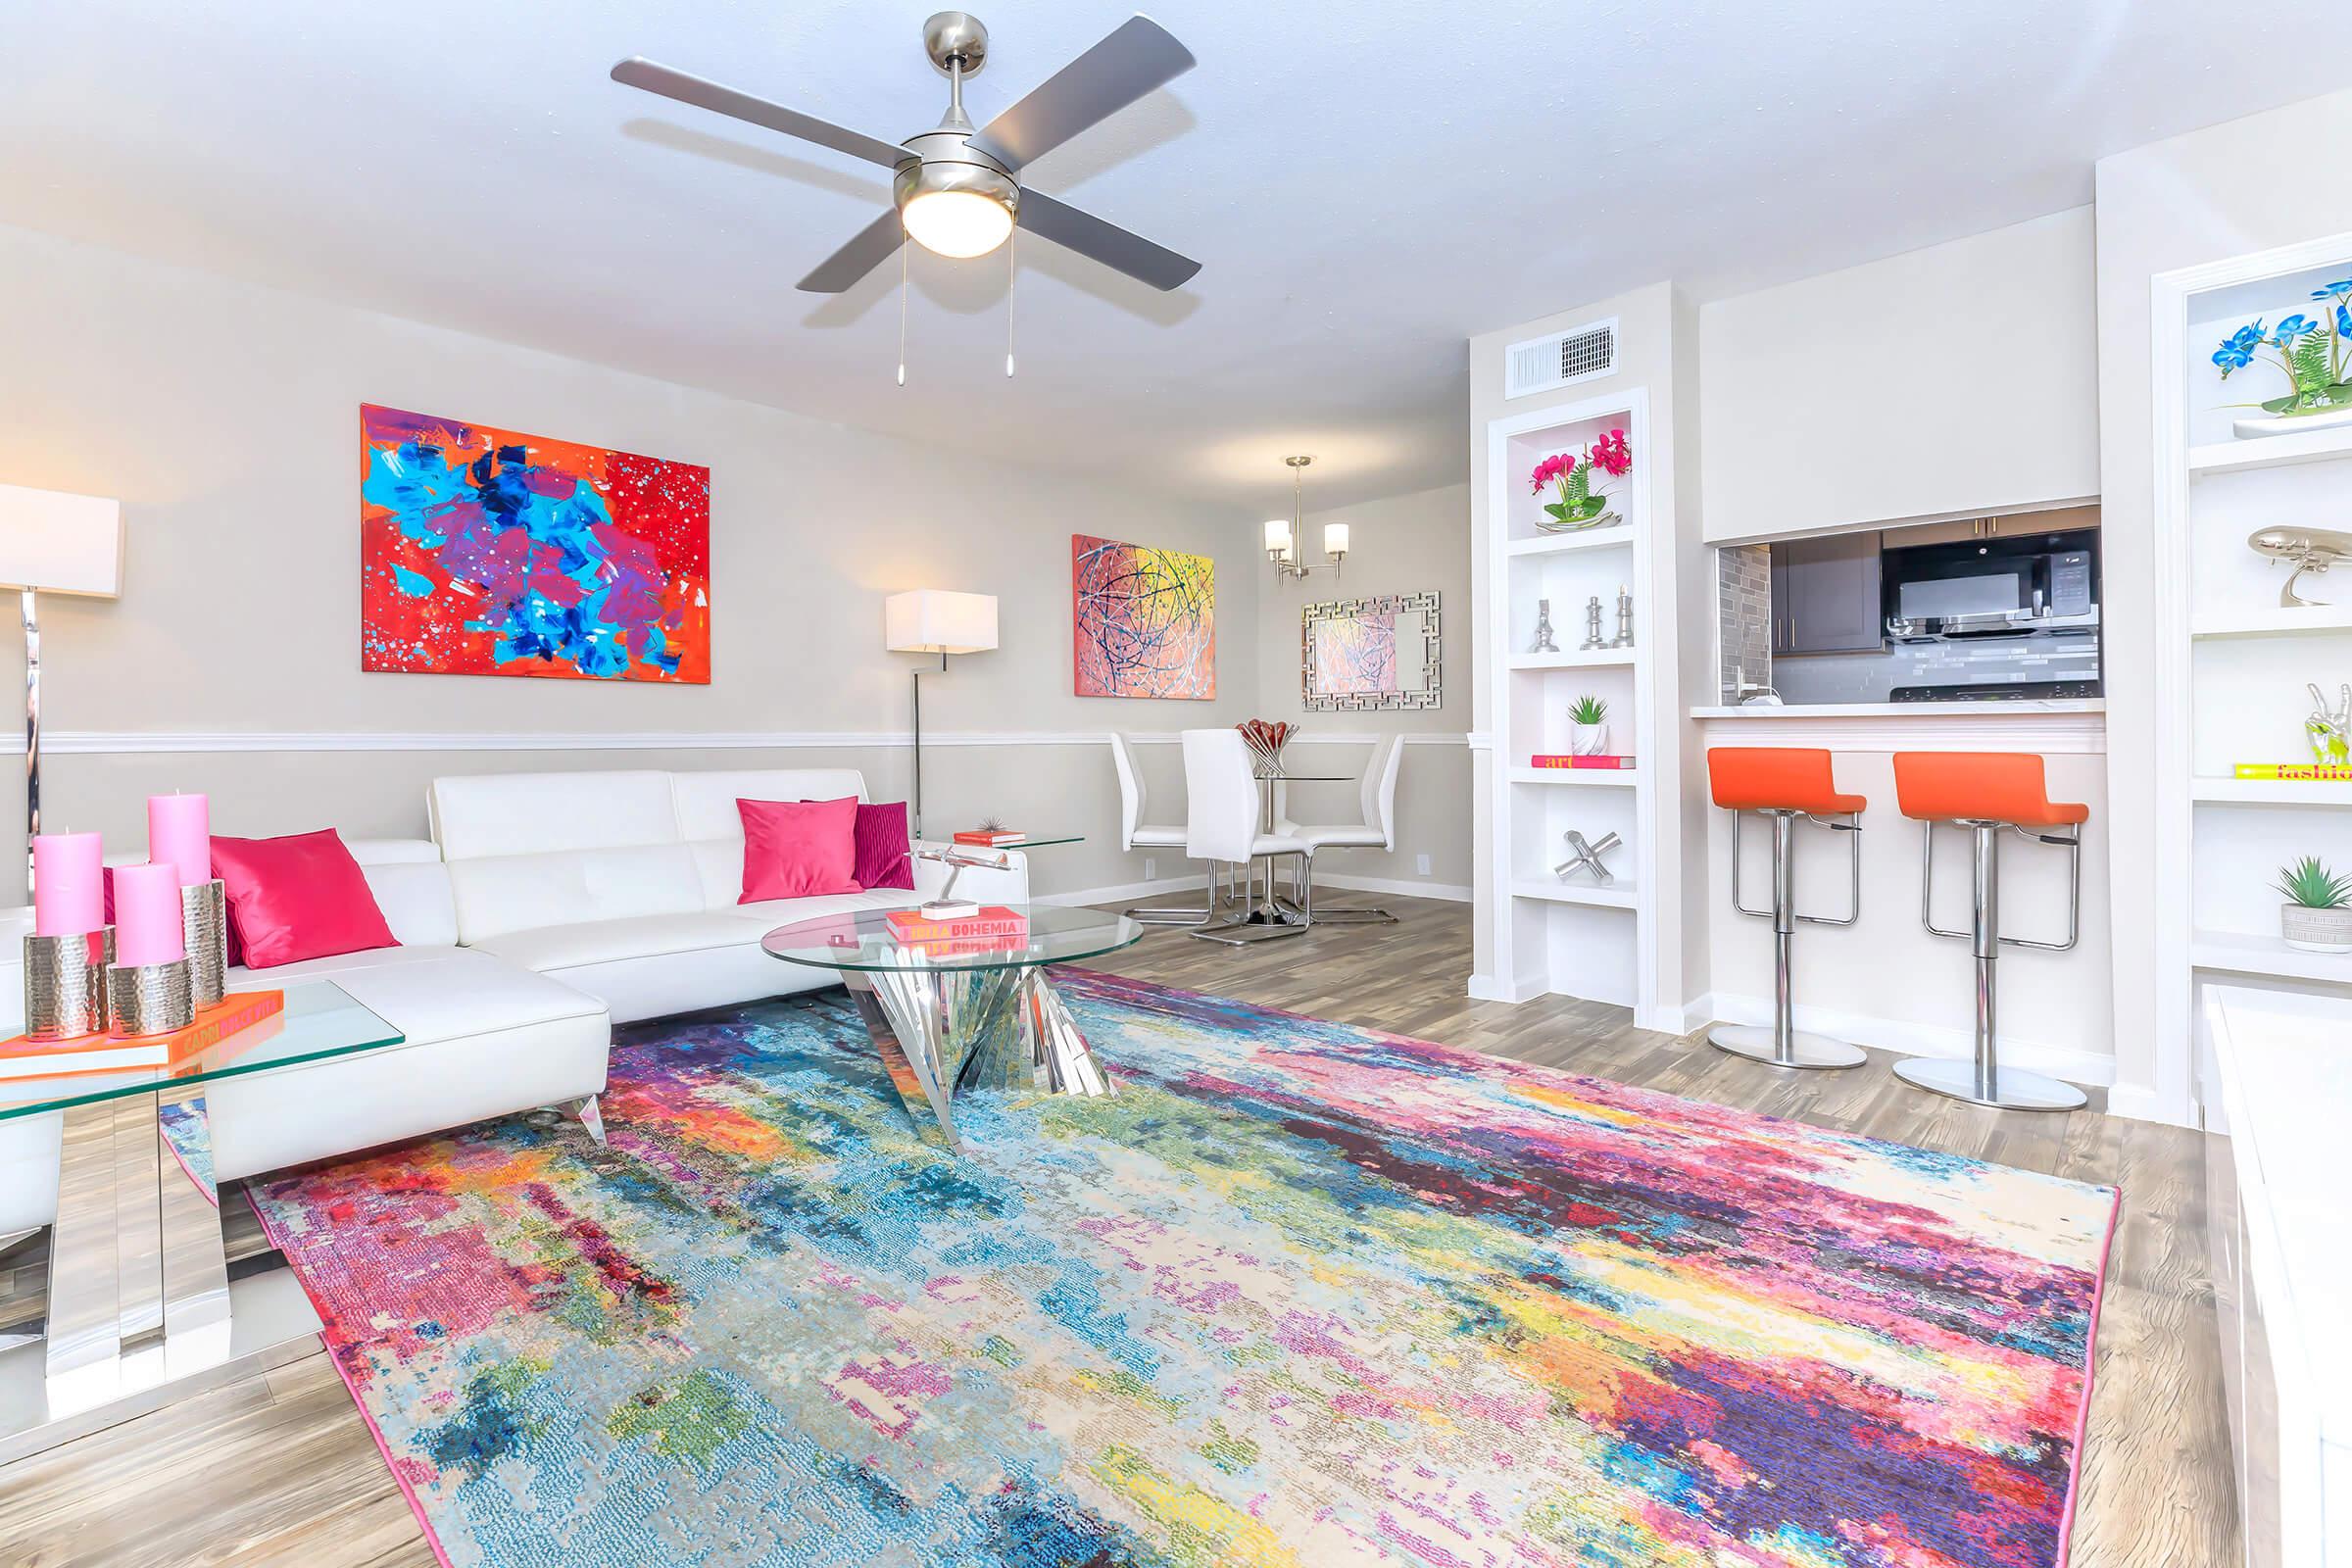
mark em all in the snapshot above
pixel 799 848
pixel 295 898
pixel 882 858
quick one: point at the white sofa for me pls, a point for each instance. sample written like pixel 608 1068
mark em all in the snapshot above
pixel 547 907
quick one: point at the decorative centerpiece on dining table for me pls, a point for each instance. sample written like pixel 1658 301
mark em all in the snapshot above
pixel 1581 506
pixel 1265 740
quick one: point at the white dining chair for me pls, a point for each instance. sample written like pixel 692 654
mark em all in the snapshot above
pixel 1137 834
pixel 1221 815
pixel 1377 831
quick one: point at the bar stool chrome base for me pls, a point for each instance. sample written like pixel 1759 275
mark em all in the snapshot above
pixel 1754 1041
pixel 2009 1088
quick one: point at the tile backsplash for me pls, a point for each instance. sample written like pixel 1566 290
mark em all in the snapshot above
pixel 1743 617
pixel 1869 677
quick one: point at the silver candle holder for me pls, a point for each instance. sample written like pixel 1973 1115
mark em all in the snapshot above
pixel 149 999
pixel 65 984
pixel 204 925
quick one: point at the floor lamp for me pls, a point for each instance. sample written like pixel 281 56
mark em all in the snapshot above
pixel 52 542
pixel 930 620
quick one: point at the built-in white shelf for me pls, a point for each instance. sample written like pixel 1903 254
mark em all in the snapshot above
pixel 2270 451
pixel 1624 778
pixel 1619 895
pixel 1552 544
pixel 1596 659
pixel 2269 791
pixel 2277 620
pixel 2238 953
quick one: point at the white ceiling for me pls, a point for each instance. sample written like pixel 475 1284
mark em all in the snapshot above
pixel 1366 183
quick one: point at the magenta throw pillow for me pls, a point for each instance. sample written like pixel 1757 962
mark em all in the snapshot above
pixel 297 897
pixel 799 848
pixel 882 858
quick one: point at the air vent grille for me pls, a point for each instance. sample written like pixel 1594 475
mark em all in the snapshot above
pixel 1542 364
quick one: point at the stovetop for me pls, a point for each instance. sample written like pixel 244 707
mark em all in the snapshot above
pixel 2002 691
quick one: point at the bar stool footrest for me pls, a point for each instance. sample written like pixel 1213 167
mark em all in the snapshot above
pixel 2010 1089
pixel 1806 1050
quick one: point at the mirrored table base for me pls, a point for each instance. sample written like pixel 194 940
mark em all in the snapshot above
pixel 140 1309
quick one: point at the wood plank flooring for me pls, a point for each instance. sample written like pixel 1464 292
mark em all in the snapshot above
pixel 280 1470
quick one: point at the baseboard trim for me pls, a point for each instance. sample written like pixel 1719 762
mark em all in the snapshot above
pixel 1111 892
pixel 1907 1039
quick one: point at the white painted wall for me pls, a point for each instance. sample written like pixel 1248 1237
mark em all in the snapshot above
pixel 1404 544
pixel 1952 381
pixel 2252 185
pixel 224 416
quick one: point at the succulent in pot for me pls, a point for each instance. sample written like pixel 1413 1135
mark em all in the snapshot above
pixel 2317 917
pixel 1588 726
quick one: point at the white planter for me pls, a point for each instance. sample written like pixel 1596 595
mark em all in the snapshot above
pixel 1589 740
pixel 2262 425
pixel 2309 930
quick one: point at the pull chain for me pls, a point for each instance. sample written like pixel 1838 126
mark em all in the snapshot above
pixel 1008 277
pixel 903 247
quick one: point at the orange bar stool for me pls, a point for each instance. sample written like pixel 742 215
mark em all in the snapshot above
pixel 1985 791
pixel 1785 783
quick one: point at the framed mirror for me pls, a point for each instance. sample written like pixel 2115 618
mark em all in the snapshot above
pixel 1381 651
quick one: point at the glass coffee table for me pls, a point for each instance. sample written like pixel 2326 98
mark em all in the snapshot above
pixel 140 1303
pixel 960 1004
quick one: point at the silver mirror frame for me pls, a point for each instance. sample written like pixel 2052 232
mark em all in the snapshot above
pixel 1431 690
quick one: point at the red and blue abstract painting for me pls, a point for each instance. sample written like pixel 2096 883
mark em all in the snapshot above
pixel 486 552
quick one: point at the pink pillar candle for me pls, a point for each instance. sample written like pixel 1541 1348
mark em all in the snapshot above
pixel 147 923
pixel 179 834
pixel 69 884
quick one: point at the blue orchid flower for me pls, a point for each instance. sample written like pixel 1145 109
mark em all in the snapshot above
pixel 2333 291
pixel 2291 329
pixel 2343 321
pixel 2228 359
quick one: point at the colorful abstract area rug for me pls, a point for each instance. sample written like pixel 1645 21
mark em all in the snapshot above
pixel 1301 1294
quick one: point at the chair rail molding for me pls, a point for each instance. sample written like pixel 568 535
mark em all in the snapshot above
pixel 140 743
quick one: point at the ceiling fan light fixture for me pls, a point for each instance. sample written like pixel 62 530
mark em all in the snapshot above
pixel 961 224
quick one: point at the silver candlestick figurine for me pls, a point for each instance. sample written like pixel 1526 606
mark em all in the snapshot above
pixel 1593 638
pixel 1543 643
pixel 1625 618
pixel 203 926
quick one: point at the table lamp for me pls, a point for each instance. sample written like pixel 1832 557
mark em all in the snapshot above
pixel 931 621
pixel 55 543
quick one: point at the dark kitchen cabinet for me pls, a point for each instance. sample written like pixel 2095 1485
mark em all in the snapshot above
pixel 1824 596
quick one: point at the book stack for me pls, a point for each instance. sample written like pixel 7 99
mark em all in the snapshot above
pixel 1562 760
pixel 2304 772
pixel 239 1010
pixel 994 929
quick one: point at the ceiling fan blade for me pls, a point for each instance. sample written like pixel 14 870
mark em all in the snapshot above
pixel 869 249
pixel 639 71
pixel 1135 58
pixel 1107 243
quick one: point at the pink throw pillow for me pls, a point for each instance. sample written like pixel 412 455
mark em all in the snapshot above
pixel 882 858
pixel 799 848
pixel 297 897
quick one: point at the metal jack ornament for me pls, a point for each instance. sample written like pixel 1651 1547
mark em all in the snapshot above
pixel 1584 856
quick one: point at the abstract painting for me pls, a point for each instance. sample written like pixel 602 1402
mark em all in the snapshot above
pixel 1357 653
pixel 485 552
pixel 1143 621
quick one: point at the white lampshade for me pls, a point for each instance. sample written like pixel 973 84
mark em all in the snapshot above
pixel 932 620
pixel 1335 538
pixel 1277 535
pixel 59 543
pixel 961 224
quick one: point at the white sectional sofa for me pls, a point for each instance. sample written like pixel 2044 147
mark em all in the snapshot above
pixel 547 907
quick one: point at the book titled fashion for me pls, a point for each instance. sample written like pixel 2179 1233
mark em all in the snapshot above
pixel 988 838
pixel 2303 772
pixel 1562 760
pixel 239 1010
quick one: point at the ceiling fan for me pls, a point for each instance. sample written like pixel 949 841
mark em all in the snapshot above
pixel 959 190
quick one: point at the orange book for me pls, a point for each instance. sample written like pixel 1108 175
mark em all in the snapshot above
pixel 23 1057
pixel 912 925
pixel 987 840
